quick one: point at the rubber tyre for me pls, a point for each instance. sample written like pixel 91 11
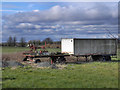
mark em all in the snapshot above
pixel 107 58
pixel 37 61
pixel 61 60
pixel 25 59
pixel 97 58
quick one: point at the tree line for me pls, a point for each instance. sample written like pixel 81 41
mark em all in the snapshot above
pixel 12 42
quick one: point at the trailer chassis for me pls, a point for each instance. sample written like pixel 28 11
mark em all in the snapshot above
pixel 53 58
pixel 97 57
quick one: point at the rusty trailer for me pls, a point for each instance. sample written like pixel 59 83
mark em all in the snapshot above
pixel 53 57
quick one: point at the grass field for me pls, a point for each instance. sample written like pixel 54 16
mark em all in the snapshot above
pixel 13 49
pixel 20 49
pixel 89 75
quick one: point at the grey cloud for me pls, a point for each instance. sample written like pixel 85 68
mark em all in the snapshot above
pixel 62 21
pixel 97 14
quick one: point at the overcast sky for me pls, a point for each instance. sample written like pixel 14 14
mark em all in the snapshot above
pixel 57 20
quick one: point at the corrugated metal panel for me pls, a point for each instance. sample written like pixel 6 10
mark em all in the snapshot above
pixel 67 46
pixel 94 46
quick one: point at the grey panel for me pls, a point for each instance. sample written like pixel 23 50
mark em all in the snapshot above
pixel 94 46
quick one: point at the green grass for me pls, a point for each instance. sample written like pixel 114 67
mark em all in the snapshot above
pixel 13 49
pixel 90 75
pixel 118 55
pixel 20 49
pixel 52 49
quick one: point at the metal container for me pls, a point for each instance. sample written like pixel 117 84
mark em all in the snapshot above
pixel 77 46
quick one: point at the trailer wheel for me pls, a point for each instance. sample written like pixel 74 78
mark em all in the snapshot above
pixel 25 59
pixel 53 60
pixel 61 60
pixel 97 58
pixel 107 58
pixel 37 61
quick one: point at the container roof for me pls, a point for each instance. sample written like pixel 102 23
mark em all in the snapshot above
pixel 92 38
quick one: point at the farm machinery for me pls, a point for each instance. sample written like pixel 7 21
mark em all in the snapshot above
pixel 35 55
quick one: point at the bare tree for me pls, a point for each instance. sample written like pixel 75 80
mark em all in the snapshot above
pixel 38 42
pixel 9 42
pixel 14 41
pixel 47 40
pixel 22 42
pixel 34 42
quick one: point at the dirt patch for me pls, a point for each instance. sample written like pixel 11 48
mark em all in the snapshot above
pixel 12 56
pixel 17 57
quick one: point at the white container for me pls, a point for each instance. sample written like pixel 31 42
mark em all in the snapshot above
pixel 78 46
pixel 67 46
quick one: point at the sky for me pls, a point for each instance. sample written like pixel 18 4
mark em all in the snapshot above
pixel 39 20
